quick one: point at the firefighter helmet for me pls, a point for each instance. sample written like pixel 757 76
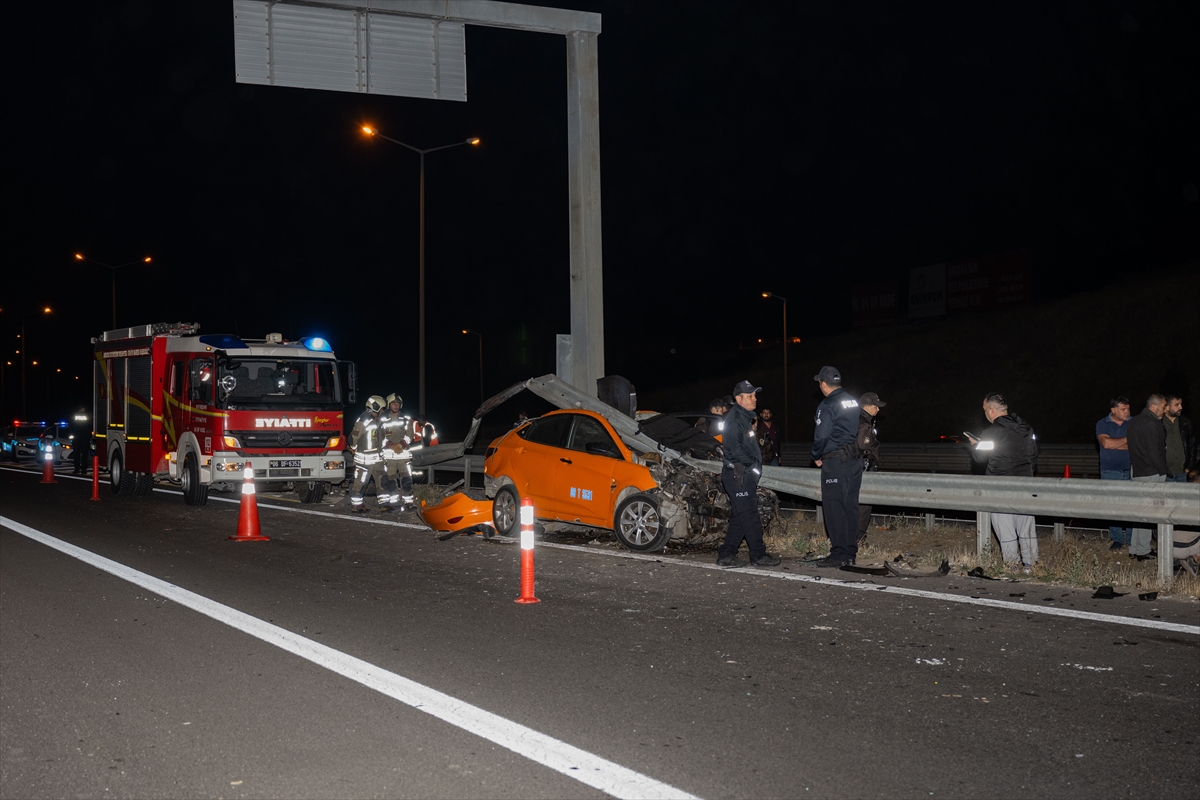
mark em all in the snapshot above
pixel 395 397
pixel 375 403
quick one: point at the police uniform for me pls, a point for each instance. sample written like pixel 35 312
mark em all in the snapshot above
pixel 366 442
pixel 835 445
pixel 868 445
pixel 397 455
pixel 739 477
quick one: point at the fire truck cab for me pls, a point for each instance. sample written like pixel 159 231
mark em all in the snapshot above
pixel 171 404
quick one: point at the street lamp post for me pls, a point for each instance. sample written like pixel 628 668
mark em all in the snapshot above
pixel 785 349
pixel 24 349
pixel 473 140
pixel 480 335
pixel 82 257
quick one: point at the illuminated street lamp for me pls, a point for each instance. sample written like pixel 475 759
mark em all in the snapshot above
pixel 480 335
pixel 82 257
pixel 785 349
pixel 473 140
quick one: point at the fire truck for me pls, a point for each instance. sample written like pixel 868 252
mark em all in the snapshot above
pixel 172 404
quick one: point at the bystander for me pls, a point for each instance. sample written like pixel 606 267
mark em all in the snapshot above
pixel 768 438
pixel 1181 441
pixel 1147 441
pixel 1114 457
pixel 1009 446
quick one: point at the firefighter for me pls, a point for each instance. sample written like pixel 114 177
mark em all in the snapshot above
pixel 424 434
pixel 397 439
pixel 366 441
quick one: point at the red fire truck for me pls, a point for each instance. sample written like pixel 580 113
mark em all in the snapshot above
pixel 172 404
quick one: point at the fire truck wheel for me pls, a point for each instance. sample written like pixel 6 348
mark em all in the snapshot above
pixel 506 511
pixel 122 482
pixel 143 483
pixel 195 493
pixel 310 492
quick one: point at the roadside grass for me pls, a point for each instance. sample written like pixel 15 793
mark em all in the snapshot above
pixel 1081 559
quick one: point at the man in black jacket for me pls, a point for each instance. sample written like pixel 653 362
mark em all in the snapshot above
pixel 1181 441
pixel 1009 446
pixel 1147 442
pixel 835 451
pixel 868 444
pixel 743 468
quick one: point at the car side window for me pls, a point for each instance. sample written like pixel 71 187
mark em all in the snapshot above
pixel 589 436
pixel 550 431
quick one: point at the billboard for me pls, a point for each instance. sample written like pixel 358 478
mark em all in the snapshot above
pixel 927 291
pixel 873 304
pixel 989 281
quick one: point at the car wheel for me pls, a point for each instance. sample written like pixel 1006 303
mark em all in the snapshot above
pixel 637 524
pixel 122 483
pixel 506 511
pixel 310 492
pixel 195 493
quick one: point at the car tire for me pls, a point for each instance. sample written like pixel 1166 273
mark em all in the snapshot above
pixel 506 511
pixel 195 493
pixel 120 480
pixel 310 492
pixel 637 524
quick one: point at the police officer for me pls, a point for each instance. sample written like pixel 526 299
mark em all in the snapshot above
pixel 397 455
pixel 835 451
pixel 366 441
pixel 868 444
pixel 1009 446
pixel 81 442
pixel 743 468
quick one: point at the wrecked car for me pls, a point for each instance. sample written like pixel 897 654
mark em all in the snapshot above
pixel 588 465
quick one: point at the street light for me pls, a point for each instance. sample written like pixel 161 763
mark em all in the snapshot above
pixel 82 257
pixel 480 335
pixel 785 349
pixel 473 140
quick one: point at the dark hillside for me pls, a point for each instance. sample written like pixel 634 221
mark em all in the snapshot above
pixel 1057 363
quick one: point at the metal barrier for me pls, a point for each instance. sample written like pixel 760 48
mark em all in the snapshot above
pixel 955 459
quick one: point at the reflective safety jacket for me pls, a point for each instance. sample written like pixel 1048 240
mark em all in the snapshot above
pixel 396 431
pixel 424 435
pixel 366 439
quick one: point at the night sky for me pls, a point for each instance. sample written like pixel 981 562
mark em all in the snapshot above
pixel 795 147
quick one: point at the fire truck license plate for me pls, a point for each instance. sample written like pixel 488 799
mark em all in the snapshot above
pixel 279 463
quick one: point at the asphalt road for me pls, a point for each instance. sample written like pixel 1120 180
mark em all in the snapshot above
pixel 714 683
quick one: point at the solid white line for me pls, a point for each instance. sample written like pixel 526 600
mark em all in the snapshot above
pixel 585 767
pixel 887 588
pixel 176 492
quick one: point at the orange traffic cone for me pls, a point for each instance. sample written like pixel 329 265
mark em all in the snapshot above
pixel 248 513
pixel 1067 471
pixel 48 467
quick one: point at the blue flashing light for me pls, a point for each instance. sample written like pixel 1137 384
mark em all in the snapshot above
pixel 223 341
pixel 317 344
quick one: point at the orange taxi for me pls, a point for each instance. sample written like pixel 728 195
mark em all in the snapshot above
pixel 576 469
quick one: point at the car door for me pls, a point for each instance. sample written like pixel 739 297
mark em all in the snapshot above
pixel 586 471
pixel 534 463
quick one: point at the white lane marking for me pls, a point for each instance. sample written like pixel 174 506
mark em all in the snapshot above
pixel 888 588
pixel 343 517
pixel 585 767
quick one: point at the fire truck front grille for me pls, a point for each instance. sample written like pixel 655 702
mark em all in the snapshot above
pixel 269 440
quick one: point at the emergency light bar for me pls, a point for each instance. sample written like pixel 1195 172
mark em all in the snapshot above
pixel 317 344
pixel 223 341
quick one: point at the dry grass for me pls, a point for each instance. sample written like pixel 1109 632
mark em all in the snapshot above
pixel 1082 558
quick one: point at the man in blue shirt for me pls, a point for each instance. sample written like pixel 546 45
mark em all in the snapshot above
pixel 1114 456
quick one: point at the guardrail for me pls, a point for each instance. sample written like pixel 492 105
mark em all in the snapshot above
pixel 955 459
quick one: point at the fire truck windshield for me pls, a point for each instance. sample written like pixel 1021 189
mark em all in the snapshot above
pixel 303 385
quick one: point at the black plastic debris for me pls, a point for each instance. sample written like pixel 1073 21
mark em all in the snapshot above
pixel 447 535
pixel 978 573
pixel 1016 594
pixel 864 570
pixel 1107 593
pixel 1148 596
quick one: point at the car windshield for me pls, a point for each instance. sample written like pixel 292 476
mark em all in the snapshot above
pixel 27 432
pixel 299 384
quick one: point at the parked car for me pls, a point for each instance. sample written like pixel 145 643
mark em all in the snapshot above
pixel 58 440
pixel 20 440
